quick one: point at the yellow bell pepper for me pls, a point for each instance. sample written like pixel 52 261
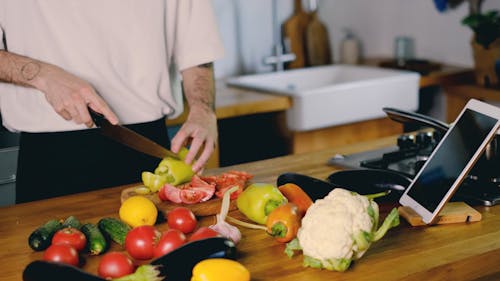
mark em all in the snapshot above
pixel 153 181
pixel 258 200
pixel 170 170
pixel 218 269
pixel 175 171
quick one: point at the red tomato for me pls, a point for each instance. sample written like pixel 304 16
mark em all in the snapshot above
pixel 181 218
pixel 191 196
pixel 169 241
pixel 70 236
pixel 140 242
pixel 114 265
pixel 230 179
pixel 161 194
pixel 202 233
pixel 62 253
pixel 171 193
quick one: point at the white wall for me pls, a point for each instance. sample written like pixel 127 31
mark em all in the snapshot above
pixel 246 29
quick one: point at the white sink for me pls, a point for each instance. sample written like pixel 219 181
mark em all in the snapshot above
pixel 337 94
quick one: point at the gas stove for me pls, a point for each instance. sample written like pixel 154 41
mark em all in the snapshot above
pixel 408 157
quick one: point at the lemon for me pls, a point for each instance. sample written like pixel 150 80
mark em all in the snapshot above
pixel 138 210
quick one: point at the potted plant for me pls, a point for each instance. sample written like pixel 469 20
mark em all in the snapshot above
pixel 485 41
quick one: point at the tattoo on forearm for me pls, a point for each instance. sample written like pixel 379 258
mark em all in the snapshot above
pixel 17 69
pixel 30 70
pixel 5 67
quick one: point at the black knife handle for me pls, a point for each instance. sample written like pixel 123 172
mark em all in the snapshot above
pixel 97 117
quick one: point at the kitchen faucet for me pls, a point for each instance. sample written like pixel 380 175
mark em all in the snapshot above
pixel 279 58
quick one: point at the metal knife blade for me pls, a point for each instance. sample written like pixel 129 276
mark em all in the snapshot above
pixel 130 138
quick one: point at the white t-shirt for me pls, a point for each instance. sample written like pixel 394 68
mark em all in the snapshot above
pixel 123 48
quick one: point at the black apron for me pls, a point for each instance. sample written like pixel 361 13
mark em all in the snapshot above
pixel 61 163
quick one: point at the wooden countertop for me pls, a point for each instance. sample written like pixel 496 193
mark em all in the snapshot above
pixel 444 252
pixel 472 90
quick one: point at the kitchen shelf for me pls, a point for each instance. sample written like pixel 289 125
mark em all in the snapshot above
pixel 458 95
pixel 445 75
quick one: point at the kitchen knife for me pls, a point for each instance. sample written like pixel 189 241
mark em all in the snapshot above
pixel 130 138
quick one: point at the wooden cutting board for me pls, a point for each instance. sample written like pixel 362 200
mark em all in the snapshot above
pixel 317 42
pixel 294 29
pixel 203 209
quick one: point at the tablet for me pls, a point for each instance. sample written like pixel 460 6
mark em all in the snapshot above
pixel 452 159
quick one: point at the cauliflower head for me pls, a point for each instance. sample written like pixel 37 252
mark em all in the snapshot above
pixel 338 229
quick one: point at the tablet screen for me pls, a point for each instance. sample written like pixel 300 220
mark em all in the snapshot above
pixel 450 158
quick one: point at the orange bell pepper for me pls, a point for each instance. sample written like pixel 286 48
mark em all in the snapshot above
pixel 284 222
pixel 296 195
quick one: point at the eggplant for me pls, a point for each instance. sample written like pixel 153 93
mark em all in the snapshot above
pixel 362 181
pixel 315 188
pixel 45 270
pixel 176 265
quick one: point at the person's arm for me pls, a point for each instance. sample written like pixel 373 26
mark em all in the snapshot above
pixel 200 128
pixel 67 94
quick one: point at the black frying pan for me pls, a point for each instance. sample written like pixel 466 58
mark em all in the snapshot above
pixel 362 181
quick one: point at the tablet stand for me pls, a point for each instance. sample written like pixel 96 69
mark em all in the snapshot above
pixel 452 212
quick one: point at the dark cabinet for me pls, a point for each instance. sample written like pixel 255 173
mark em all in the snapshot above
pixel 8 165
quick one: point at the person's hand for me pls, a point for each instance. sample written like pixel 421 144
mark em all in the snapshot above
pixel 70 96
pixel 200 131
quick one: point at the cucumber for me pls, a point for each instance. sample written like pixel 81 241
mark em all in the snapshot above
pixel 115 229
pixel 96 242
pixel 41 238
pixel 73 222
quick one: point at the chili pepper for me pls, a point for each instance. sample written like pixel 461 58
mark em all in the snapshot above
pixel 175 171
pixel 258 200
pixel 296 195
pixel 220 270
pixel 284 222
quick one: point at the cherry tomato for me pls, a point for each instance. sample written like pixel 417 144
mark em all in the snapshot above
pixel 169 241
pixel 140 242
pixel 181 218
pixel 70 236
pixel 114 265
pixel 202 233
pixel 62 253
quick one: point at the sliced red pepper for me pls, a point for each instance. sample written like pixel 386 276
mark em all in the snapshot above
pixel 227 180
